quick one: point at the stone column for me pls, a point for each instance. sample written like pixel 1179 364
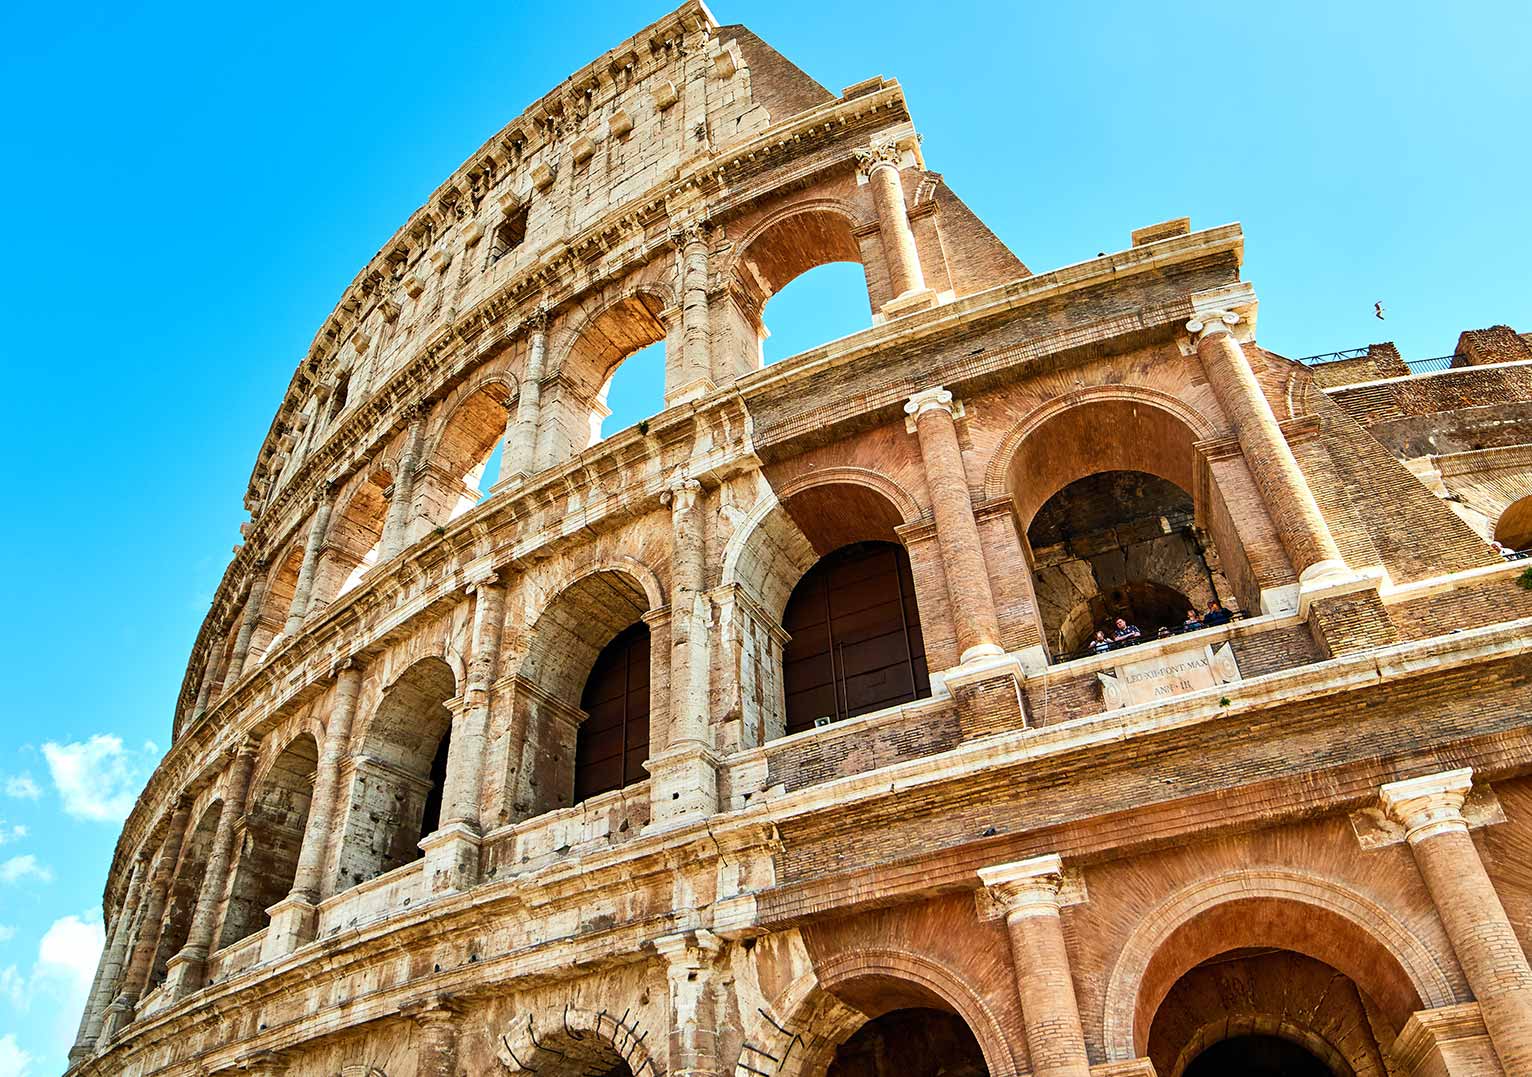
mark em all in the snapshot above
pixel 1284 489
pixel 401 499
pixel 1431 811
pixel 110 966
pixel 187 969
pixel 684 774
pixel 880 164
pixel 933 418
pixel 452 852
pixel 691 959
pixel 519 457
pixel 293 919
pixel 247 624
pixel 695 376
pixel 317 528
pixel 135 979
pixel 437 1019
pixel 1028 892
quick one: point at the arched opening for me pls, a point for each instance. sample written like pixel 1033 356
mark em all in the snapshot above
pixel 916 1041
pixel 398 771
pixel 829 304
pixel 633 392
pixel 1272 967
pixel 832 626
pixel 616 361
pixel 855 643
pixel 275 817
pixel 1259 1056
pixel 1117 544
pixel 354 540
pixel 1514 528
pixel 613 741
pixel 823 304
pixel 583 695
pixel 185 890
pixel 1102 495
pixel 459 472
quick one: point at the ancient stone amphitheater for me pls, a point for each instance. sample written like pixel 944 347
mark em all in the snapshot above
pixel 772 735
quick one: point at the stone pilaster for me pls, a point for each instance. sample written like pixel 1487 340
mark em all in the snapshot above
pixel 247 624
pixel 318 527
pixel 437 1019
pixel 933 418
pixel 294 918
pixel 135 978
pixel 1431 811
pixel 691 959
pixel 684 776
pixel 880 165
pixel 519 457
pixel 1028 892
pixel 452 852
pixel 1301 527
pixel 694 378
pixel 401 497
pixel 186 970
pixel 109 969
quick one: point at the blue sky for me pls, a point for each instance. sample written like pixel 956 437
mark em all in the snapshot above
pixel 191 186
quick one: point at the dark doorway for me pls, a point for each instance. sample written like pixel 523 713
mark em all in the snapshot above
pixel 1256 1056
pixel 915 1042
pixel 856 644
pixel 614 741
pixel 431 818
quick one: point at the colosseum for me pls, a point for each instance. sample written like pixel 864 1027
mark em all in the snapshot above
pixel 1045 679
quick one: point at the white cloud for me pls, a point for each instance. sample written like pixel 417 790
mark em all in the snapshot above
pixel 14 1062
pixel 22 787
pixel 56 989
pixel 22 867
pixel 98 779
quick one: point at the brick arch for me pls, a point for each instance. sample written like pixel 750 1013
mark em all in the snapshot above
pixel 1069 418
pixel 575 1041
pixel 1288 910
pixel 859 978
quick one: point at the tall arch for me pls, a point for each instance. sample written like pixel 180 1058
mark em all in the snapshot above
pixel 595 619
pixel 275 817
pixel 1273 908
pixel 396 767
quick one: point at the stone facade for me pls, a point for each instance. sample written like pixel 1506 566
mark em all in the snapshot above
pixel 362 854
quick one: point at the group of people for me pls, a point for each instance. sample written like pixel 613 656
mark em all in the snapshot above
pixel 1122 634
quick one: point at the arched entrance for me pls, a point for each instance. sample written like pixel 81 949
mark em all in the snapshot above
pixel 916 1041
pixel 398 772
pixel 855 643
pixel 275 817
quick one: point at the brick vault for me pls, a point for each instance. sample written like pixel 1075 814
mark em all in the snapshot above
pixel 1045 679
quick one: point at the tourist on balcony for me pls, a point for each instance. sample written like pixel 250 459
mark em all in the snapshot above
pixel 1192 622
pixel 1216 615
pixel 1099 644
pixel 1123 632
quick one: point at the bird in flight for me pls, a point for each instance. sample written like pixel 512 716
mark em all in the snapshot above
pixel 1377 310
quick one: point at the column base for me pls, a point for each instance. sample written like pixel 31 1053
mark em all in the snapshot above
pixel 909 303
pixel 1331 579
pixel 683 787
pixel 185 973
pixel 452 858
pixel 987 690
pixel 294 922
pixel 1450 1041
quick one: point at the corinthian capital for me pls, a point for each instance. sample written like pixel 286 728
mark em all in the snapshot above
pixel 1430 805
pixel 874 157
